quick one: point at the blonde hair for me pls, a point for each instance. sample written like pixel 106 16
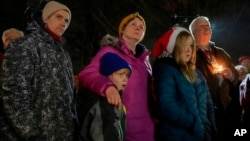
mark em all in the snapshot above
pixel 11 34
pixel 187 69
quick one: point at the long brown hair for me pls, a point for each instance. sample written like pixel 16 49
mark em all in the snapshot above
pixel 187 68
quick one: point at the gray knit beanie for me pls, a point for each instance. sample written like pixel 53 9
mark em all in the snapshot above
pixel 53 6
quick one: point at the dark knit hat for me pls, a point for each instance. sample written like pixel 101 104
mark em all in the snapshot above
pixel 53 6
pixel 111 62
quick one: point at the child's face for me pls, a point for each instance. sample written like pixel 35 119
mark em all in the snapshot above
pixel 120 78
pixel 187 50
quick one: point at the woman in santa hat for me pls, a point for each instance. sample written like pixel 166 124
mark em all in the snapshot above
pixel 185 105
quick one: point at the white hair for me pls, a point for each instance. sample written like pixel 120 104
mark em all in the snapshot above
pixel 238 67
pixel 192 26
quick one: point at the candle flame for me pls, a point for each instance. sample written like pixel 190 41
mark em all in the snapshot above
pixel 217 68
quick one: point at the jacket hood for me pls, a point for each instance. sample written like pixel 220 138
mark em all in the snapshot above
pixel 117 42
pixel 109 40
pixel 36 23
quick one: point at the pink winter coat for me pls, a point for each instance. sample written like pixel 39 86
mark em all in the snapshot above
pixel 140 126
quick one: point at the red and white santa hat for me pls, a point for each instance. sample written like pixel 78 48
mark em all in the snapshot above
pixel 165 44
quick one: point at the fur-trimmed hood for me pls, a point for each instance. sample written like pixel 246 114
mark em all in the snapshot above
pixel 109 40
pixel 116 42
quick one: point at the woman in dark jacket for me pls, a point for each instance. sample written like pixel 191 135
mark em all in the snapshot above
pixel 185 105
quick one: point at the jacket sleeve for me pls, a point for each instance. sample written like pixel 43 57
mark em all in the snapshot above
pixel 245 93
pixel 16 91
pixel 90 76
pixel 210 127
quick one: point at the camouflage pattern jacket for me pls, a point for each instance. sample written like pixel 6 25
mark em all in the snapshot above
pixel 36 89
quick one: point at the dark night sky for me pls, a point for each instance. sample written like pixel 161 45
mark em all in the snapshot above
pixel 230 18
pixel 11 14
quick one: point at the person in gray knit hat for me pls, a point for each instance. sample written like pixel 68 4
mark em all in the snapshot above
pixel 37 101
pixel 50 9
pixel 53 8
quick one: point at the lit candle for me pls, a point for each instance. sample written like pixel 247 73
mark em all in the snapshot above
pixel 217 68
